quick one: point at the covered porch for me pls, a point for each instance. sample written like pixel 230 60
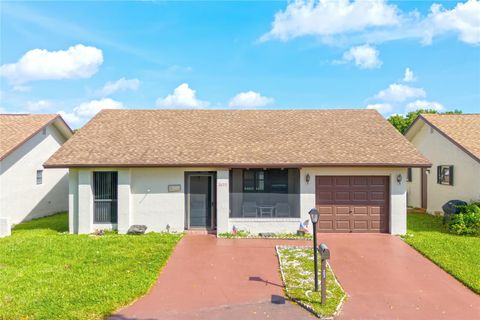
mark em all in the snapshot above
pixel 264 199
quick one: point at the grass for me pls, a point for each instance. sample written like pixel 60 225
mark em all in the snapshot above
pixel 296 264
pixel 46 273
pixel 456 254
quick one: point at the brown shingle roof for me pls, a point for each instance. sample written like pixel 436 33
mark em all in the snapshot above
pixel 461 129
pixel 15 129
pixel 230 138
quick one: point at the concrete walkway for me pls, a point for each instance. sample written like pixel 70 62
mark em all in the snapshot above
pixel 210 278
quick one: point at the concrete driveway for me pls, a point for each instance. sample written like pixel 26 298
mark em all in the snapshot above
pixel 210 278
pixel 387 279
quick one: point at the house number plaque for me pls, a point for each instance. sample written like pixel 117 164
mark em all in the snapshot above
pixel 174 188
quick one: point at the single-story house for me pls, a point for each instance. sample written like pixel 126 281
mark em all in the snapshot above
pixel 452 143
pixel 27 190
pixel 257 170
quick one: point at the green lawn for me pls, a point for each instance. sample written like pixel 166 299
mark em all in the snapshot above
pixel 46 273
pixel 458 255
pixel 297 265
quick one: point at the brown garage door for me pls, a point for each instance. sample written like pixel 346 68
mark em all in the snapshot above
pixel 352 203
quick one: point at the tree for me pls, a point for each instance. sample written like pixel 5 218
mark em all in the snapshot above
pixel 402 122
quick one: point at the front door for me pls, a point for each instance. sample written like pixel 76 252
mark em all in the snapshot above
pixel 200 200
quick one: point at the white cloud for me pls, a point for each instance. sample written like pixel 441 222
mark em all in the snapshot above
pixel 87 110
pixel 119 85
pixel 250 99
pixel 38 105
pixel 326 18
pixel 21 88
pixel 182 97
pixel 408 76
pixel 39 64
pixel 365 57
pixel 178 68
pixel 91 108
pixel 400 92
pixel 381 107
pixel 423 104
pixel 374 21
pixel 70 117
pixel 402 97
pixel 463 19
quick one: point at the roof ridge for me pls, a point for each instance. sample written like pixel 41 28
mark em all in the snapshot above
pixel 449 114
pixel 233 109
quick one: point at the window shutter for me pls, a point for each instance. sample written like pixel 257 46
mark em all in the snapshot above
pixel 409 175
pixel 439 174
pixel 451 175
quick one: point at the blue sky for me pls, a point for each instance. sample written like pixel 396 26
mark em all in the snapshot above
pixel 79 57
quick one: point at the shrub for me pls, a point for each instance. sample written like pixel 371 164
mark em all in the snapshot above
pixel 467 222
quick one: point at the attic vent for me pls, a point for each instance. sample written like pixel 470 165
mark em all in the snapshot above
pixel 44 131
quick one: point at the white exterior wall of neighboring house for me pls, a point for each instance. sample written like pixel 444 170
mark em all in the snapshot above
pixel 21 198
pixel 143 198
pixel 441 151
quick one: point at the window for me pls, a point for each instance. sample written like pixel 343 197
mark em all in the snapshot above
pixel 105 197
pixel 445 175
pixel 278 181
pixel 409 175
pixel 253 180
pixel 273 181
pixel 39 176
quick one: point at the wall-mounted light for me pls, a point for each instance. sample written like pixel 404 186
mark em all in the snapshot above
pixel 427 171
pixel 307 178
pixel 399 179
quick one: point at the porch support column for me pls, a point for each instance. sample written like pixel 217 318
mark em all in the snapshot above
pixel 124 201
pixel 73 222
pixel 223 200
pixel 85 201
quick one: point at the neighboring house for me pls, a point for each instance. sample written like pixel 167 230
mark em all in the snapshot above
pixel 27 190
pixel 258 170
pixel 452 143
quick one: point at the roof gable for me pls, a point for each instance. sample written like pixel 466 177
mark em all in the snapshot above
pixel 16 129
pixel 463 130
pixel 234 138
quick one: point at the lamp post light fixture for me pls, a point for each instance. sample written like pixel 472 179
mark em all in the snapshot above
pixel 314 215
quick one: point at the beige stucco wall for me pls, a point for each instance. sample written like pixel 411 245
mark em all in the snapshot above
pixel 441 151
pixel 143 198
pixel 21 198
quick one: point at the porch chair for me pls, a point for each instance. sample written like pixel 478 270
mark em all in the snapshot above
pixel 249 209
pixel 282 210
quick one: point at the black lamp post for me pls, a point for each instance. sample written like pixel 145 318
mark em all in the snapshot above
pixel 314 215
